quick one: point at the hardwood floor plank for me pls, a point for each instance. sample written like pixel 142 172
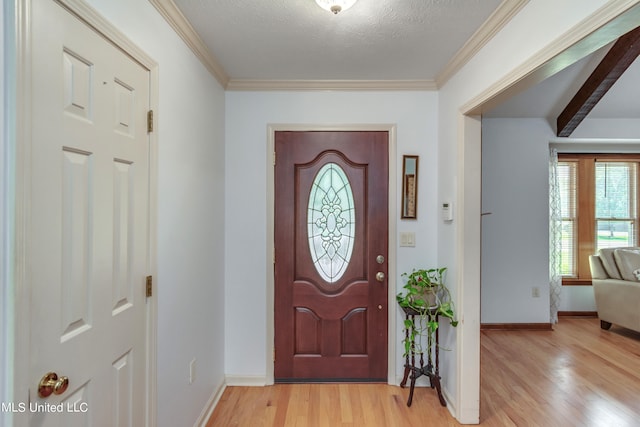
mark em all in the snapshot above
pixel 357 410
pixel 575 375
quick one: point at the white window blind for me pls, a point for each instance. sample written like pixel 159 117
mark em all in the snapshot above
pixel 567 177
pixel 616 204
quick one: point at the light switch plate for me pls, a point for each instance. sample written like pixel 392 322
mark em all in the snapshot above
pixel 407 239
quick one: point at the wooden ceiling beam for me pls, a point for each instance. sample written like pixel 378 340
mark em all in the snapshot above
pixel 612 66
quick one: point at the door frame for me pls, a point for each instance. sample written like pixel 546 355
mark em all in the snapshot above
pixel 17 306
pixel 619 16
pixel 392 251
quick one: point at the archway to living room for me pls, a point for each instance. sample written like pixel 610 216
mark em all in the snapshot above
pixel 583 41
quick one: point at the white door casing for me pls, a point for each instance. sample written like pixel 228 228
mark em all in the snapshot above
pixel 89 241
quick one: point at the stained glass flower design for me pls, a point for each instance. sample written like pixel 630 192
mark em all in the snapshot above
pixel 331 222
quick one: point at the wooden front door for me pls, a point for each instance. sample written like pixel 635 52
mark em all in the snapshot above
pixel 331 241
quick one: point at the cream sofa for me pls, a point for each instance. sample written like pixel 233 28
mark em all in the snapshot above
pixel 615 274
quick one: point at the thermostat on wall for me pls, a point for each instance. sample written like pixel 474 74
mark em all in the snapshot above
pixel 447 212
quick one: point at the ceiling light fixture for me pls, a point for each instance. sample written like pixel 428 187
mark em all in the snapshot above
pixel 335 6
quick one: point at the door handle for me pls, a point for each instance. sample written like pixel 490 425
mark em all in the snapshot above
pixel 380 276
pixel 50 383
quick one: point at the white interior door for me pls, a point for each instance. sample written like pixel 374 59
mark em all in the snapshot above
pixel 88 248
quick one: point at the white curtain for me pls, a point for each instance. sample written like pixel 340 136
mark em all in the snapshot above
pixel 555 236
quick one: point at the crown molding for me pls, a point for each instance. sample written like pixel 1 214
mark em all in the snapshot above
pixel 328 85
pixel 496 21
pixel 185 30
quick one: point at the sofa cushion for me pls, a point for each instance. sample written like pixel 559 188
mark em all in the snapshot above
pixel 609 263
pixel 597 269
pixel 628 262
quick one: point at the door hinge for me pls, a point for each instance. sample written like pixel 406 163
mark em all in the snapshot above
pixel 274 355
pixel 149 286
pixel 274 158
pixel 149 121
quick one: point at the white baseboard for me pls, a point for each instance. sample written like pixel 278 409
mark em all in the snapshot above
pixel 210 406
pixel 245 380
pixel 450 402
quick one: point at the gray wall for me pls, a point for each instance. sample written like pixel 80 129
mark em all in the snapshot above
pixel 515 255
pixel 515 190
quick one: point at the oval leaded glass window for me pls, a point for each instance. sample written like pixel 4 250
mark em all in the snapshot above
pixel 331 222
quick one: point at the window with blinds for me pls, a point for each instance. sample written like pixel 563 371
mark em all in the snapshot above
pixel 567 183
pixel 599 204
pixel 615 203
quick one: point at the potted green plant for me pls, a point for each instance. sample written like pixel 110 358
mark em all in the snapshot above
pixel 425 295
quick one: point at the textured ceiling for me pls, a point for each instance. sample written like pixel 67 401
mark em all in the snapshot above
pixel 297 40
pixel 286 41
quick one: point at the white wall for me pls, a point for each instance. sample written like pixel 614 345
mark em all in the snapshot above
pixel 190 289
pixel 248 114
pixel 608 128
pixel 515 190
pixel 4 226
pixel 537 25
pixel 515 237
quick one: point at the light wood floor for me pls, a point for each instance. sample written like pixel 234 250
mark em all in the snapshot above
pixel 576 375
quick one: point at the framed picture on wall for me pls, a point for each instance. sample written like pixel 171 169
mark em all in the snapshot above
pixel 409 187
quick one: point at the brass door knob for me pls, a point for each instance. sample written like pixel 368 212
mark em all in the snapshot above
pixel 50 383
pixel 380 276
